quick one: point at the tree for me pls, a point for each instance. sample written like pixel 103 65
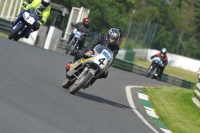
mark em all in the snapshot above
pixel 104 14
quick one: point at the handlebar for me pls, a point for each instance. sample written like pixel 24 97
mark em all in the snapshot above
pixel 73 27
pixel 89 53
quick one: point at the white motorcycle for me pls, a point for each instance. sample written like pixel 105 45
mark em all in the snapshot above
pixel 84 70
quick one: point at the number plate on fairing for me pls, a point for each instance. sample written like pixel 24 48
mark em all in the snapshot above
pixel 106 54
pixel 28 18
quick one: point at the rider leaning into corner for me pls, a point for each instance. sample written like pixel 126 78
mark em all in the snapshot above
pixel 110 40
pixel 163 56
pixel 82 27
pixel 44 7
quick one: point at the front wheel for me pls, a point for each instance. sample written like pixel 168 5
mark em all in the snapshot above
pixel 66 83
pixel 153 72
pixel 15 31
pixel 79 83
pixel 69 48
pixel 149 71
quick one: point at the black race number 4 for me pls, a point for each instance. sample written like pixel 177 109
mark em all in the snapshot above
pixel 101 61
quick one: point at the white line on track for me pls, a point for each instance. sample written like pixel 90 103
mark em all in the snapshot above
pixel 132 105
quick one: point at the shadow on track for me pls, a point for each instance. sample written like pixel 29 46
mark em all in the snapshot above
pixel 100 100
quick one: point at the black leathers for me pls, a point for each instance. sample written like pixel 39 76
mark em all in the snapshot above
pixel 80 27
pixel 99 39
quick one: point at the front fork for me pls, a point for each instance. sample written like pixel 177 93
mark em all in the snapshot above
pixel 83 72
pixel 22 30
pixel 149 70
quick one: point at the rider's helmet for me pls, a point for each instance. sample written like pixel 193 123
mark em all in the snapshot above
pixel 45 3
pixel 163 52
pixel 112 36
pixel 86 22
pixel 120 30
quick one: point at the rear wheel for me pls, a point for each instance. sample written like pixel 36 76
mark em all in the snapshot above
pixel 15 31
pixel 79 83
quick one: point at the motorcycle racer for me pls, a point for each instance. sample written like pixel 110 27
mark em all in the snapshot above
pixel 45 9
pixel 82 27
pixel 163 56
pixel 110 40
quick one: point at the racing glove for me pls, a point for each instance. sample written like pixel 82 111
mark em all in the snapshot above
pixel 41 22
pixel 89 53
pixel 153 56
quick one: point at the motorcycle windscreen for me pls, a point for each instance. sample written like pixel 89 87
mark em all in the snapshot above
pixel 28 18
pixel 77 34
pixel 157 60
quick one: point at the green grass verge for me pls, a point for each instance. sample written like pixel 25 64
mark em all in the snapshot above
pixel 3 35
pixel 175 108
pixel 178 72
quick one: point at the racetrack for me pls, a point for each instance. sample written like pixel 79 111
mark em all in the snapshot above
pixel 33 101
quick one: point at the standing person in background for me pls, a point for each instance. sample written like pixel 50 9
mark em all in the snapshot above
pixel 82 27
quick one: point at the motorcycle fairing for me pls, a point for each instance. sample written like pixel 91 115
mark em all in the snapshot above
pixel 72 70
pixel 101 60
pixel 157 60
pixel 28 18
pixel 77 34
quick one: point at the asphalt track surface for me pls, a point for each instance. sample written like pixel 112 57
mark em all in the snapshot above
pixel 33 101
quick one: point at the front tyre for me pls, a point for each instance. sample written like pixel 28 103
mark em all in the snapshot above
pixel 149 71
pixel 66 83
pixel 15 31
pixel 69 47
pixel 79 83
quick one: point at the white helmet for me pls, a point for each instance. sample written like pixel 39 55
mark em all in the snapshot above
pixel 46 3
pixel 163 52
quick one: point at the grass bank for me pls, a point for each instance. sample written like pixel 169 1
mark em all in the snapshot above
pixel 3 35
pixel 175 108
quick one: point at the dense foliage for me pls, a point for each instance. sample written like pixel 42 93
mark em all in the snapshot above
pixel 178 20
pixel 103 14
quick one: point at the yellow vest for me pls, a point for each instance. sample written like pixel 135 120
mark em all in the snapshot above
pixel 46 12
